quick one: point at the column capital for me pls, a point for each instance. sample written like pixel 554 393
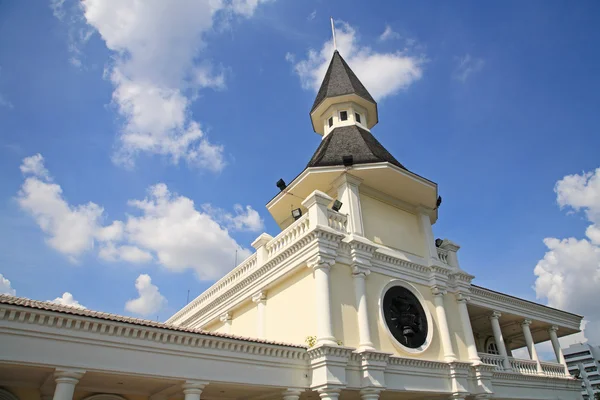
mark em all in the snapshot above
pixel 438 290
pixel 360 271
pixel 346 178
pixel 463 298
pixel 553 328
pixel 321 262
pixel 194 387
pixel 259 297
pixel 526 322
pixel 68 375
pixel 495 315
pixel 225 317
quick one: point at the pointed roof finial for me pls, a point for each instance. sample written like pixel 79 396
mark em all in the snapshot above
pixel 333 32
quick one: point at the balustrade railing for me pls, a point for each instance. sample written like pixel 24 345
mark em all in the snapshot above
pixel 493 359
pixel 525 367
pixel 288 236
pixel 442 255
pixel 337 221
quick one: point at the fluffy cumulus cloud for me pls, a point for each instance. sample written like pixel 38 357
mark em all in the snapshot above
pixel 466 66
pixel 156 69
pixel 569 274
pixel 163 227
pixel 383 74
pixel 149 300
pixel 5 286
pixel 67 300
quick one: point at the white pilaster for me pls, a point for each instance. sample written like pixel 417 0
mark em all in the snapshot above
pixel 260 299
pixel 360 291
pixel 66 379
pixel 467 328
pixel 348 194
pixel 425 223
pixel 530 345
pixel 292 394
pixel 560 358
pixel 494 320
pixel 321 268
pixel 193 389
pixel 225 318
pixel 438 300
pixel 329 394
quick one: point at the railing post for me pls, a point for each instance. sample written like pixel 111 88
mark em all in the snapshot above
pixel 261 251
pixel 452 249
pixel 316 203
pixel 494 320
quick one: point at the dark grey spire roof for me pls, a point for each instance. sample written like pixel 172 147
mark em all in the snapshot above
pixel 340 80
pixel 351 140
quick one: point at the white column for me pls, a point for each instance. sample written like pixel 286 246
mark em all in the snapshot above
pixel 369 394
pixel 438 300
pixel 360 291
pixel 226 320
pixel 66 379
pixel 347 189
pixel 260 299
pixel 321 270
pixel 292 394
pixel 193 389
pixel 560 358
pixel 494 320
pixel 425 223
pixel 467 328
pixel 530 345
pixel 329 394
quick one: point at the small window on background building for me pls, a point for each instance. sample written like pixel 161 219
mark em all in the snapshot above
pixel 330 122
pixel 492 348
pixel 344 115
pixel 357 117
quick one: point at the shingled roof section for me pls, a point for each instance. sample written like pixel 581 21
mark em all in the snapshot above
pixel 351 140
pixel 340 80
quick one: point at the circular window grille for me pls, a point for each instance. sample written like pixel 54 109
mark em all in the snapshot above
pixel 405 317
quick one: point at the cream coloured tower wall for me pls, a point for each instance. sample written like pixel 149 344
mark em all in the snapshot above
pixel 390 226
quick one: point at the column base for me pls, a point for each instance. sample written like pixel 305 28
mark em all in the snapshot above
pixel 327 341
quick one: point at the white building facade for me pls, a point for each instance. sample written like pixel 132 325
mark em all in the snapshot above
pixel 583 360
pixel 353 299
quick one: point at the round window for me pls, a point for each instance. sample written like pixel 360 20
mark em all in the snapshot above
pixel 405 317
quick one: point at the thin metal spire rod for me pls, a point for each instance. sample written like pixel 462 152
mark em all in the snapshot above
pixel 333 32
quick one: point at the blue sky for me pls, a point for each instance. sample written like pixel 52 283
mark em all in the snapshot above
pixel 496 102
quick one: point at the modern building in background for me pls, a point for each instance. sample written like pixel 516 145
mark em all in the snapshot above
pixel 353 299
pixel 583 360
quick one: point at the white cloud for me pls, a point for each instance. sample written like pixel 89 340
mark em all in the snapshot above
pixel 150 301
pixel 383 74
pixel 35 165
pixel 156 69
pixel 466 66
pixel 312 15
pixel 5 287
pixel 67 300
pixel 181 236
pixel 166 228
pixel 569 274
pixel 388 34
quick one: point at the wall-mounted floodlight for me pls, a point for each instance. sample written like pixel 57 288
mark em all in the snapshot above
pixel 439 202
pixel 348 161
pixel 336 206
pixel 296 213
pixel 281 184
pixel 438 242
